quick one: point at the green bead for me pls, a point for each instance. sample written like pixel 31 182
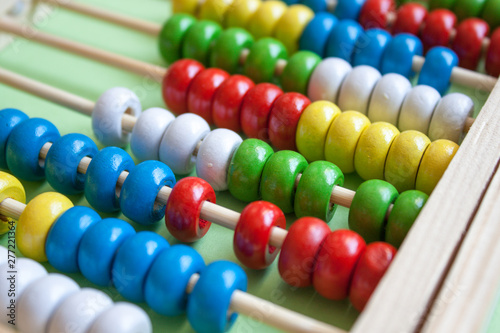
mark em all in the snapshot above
pixel 468 8
pixel 404 212
pixel 298 70
pixel 278 179
pixel 245 170
pixel 315 189
pixel 436 4
pixel 228 47
pixel 369 208
pixel 491 13
pixel 198 42
pixel 262 59
pixel 172 35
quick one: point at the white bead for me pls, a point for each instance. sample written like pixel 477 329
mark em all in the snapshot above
pixel 214 157
pixel 108 112
pixel 357 88
pixel 123 318
pixel 417 109
pixel 326 79
pixel 148 132
pixel 77 312
pixel 448 120
pixel 40 299
pixel 180 141
pixel 388 97
pixel 3 255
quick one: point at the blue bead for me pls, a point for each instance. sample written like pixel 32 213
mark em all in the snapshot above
pixel 317 6
pixel 165 287
pixel 209 301
pixel 65 236
pixel 349 9
pixel 343 40
pixel 370 48
pixel 62 161
pixel 102 176
pixel 399 53
pixel 24 145
pixel 140 189
pixel 9 118
pixel 133 261
pixel 316 33
pixel 98 248
pixel 438 65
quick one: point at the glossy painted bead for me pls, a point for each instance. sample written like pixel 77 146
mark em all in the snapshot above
pixel 375 13
pixel 24 145
pixel 214 10
pixel 418 108
pixel 468 42
pixel 182 216
pixel 227 49
pixel 240 13
pixel 491 13
pixel 298 70
pixel 438 28
pixel 253 232
pixel 398 56
pixel 349 9
pixel 468 8
pixel 10 187
pixel 172 36
pixel 62 160
pixel 357 89
pixel 198 41
pixel 184 6
pixel 387 98
pixel 266 17
pixel 410 18
pixel 261 62
pixel 316 33
pixel 370 48
pixel 493 54
pixel 9 118
pixel 291 25
pixel 437 68
pixel 342 40
pixel 327 78
pixel 450 116
pixel 122 317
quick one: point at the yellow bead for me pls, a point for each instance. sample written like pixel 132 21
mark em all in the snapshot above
pixel 313 127
pixel 10 187
pixel 404 159
pixel 372 150
pixel 185 6
pixel 343 137
pixel 35 222
pixel 291 26
pixel 436 159
pixel 240 12
pixel 214 10
pixel 264 20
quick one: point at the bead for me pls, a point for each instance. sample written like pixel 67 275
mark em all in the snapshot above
pixel 182 216
pixel 122 317
pixel 10 187
pixel 349 9
pixel 316 33
pixel 370 48
pixel 35 222
pixel 371 267
pixel 228 100
pixel 398 56
pixel 102 176
pixel 326 80
pixel 176 84
pixel 369 209
pixel 240 13
pixel 342 40
pixel 253 231
pixel 214 10
pixel 375 13
pixel 357 89
pixel 184 6
pixel 65 236
pixel 372 149
pixel 24 145
pixel 491 13
pixel 246 168
pixel 469 8
pixel 291 25
pixel 417 109
pixel 387 98
pixel 312 197
pixel 343 137
pixel 298 70
pixel 227 49
pixel 450 116
pixel 283 120
pixel 437 68
pixel 261 62
pixel 140 189
pixel 298 252
pixel 180 141
pixel 404 159
pixel 409 19
pixel 214 157
pixel 208 305
pixel 168 278
pixel 9 118
pixel 493 55
pixel 172 36
pixel 266 17
pixel 436 159
pixel 438 28
pixel 63 159
pixel 132 262
pixel 404 212
pixel 335 263
pixel 436 4
pixel 277 184
pixel 108 112
pixel 468 42
pixel 198 41
pixel 313 127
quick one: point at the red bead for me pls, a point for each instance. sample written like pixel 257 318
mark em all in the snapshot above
pixel 182 215
pixel 202 91
pixel 335 263
pixel 176 84
pixel 438 28
pixel 409 19
pixel 298 252
pixel 375 13
pixel 468 43
pixel 493 55
pixel 256 108
pixel 371 267
pixel 227 102
pixel 283 120
pixel 252 233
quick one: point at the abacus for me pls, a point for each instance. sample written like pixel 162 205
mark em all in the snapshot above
pixel 454 222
